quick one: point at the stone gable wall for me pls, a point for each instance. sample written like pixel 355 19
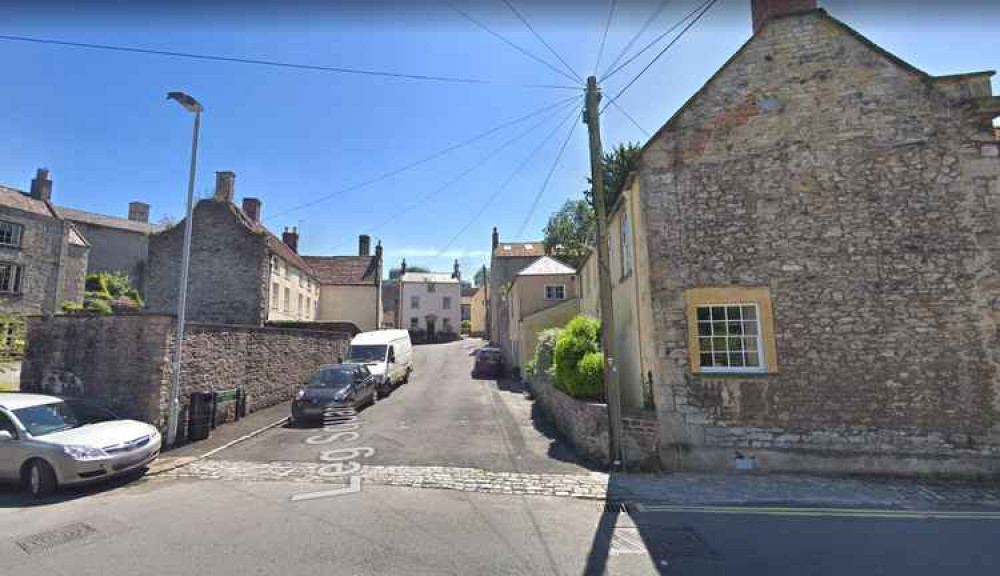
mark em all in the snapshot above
pixel 228 273
pixel 866 198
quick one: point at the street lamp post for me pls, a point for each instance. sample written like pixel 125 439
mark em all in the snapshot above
pixel 191 105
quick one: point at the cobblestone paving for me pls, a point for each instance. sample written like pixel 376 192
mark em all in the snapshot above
pixel 589 486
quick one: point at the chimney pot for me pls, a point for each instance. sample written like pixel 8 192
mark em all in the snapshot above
pixel 764 10
pixel 496 238
pixel 138 212
pixel 252 208
pixel 291 238
pixel 41 186
pixel 364 245
pixel 225 186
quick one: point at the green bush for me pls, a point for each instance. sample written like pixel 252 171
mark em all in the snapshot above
pixel 466 326
pixel 98 306
pixel 530 367
pixel 106 293
pixel 591 381
pixel 72 307
pixel 544 350
pixel 578 339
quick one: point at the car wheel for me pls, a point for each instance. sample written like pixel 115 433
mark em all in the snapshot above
pixel 40 478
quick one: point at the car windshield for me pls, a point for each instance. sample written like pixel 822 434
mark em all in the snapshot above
pixel 331 379
pixel 368 353
pixel 59 416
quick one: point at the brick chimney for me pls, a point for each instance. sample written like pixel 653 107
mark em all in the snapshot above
pixel 291 238
pixel 496 238
pixel 41 186
pixel 764 10
pixel 364 245
pixel 251 207
pixel 225 186
pixel 138 212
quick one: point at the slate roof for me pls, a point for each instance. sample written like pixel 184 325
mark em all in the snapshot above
pixel 519 250
pixel 546 266
pixel 344 270
pixel 429 277
pixel 14 198
pixel 105 220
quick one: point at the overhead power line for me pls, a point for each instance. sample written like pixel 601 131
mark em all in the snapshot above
pixel 604 36
pixel 631 119
pixel 510 177
pixel 542 40
pixel 545 184
pixel 699 9
pixel 270 63
pixel 425 159
pixel 398 212
pixel 662 52
pixel 512 44
pixel 645 26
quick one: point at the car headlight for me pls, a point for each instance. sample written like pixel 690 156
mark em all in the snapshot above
pixel 84 453
pixel 300 394
pixel 342 395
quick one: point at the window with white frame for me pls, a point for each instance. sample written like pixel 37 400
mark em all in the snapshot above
pixel 555 292
pixel 288 299
pixel 275 296
pixel 298 306
pixel 414 302
pixel 10 278
pixel 10 234
pixel 626 246
pixel 729 338
pixel 446 303
pixel 431 288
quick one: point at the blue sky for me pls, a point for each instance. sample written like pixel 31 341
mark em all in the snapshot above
pixel 98 120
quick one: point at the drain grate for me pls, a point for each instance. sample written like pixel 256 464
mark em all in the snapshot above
pixel 44 541
pixel 616 506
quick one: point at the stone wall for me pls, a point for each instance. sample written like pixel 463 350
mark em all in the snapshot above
pixel 585 425
pixel 124 362
pixel 865 196
pixel 228 272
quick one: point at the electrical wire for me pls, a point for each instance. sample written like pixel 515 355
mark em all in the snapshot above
pixel 656 40
pixel 662 52
pixel 645 26
pixel 542 40
pixel 503 186
pixel 604 36
pixel 545 184
pixel 631 119
pixel 425 159
pixel 270 63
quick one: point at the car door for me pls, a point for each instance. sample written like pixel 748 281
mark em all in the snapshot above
pixel 367 383
pixel 10 449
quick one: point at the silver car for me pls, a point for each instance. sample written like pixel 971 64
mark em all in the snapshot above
pixel 47 442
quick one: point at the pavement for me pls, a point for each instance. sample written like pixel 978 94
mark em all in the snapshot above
pixel 451 475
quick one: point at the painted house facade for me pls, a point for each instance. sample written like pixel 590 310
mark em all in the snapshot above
pixel 430 304
pixel 351 286
pixel 543 295
pixel 506 261
pixel 821 228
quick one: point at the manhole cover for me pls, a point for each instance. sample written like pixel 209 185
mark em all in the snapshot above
pixel 56 537
pixel 660 542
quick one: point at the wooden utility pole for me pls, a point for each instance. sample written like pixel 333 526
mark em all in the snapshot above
pixel 593 122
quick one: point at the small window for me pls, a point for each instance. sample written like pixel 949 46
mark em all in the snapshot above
pixel 298 306
pixel 431 288
pixel 729 338
pixel 288 299
pixel 10 234
pixel 446 303
pixel 555 292
pixel 414 322
pixel 626 246
pixel 275 296
pixel 10 278
pixel 414 302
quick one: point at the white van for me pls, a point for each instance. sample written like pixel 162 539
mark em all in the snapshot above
pixel 388 355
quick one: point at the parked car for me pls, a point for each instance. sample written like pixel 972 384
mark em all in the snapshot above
pixel 348 385
pixel 47 442
pixel 489 362
pixel 387 353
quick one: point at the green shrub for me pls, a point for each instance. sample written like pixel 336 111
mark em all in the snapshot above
pixel 544 350
pixel 530 368
pixel 466 326
pixel 578 339
pixel 71 307
pixel 107 292
pixel 98 306
pixel 591 380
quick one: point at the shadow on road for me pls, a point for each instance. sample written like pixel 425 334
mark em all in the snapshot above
pixel 13 496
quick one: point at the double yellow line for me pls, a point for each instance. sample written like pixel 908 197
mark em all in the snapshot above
pixel 821 512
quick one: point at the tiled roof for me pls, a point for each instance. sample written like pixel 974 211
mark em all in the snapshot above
pixel 546 266
pixel 14 198
pixel 469 291
pixel 429 277
pixel 105 220
pixel 519 250
pixel 344 270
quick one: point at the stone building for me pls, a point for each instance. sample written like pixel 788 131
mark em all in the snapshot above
pixel 824 260
pixel 43 257
pixel 430 304
pixel 506 260
pixel 116 244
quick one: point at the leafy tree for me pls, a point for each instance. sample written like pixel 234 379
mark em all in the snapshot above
pixel 617 164
pixel 481 277
pixel 569 232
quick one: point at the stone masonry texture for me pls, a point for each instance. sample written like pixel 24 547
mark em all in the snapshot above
pixel 228 272
pixel 865 195
pixel 124 362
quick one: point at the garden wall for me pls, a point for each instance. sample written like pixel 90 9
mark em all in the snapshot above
pixel 124 362
pixel 585 425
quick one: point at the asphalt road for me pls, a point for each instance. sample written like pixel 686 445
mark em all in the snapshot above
pixel 441 417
